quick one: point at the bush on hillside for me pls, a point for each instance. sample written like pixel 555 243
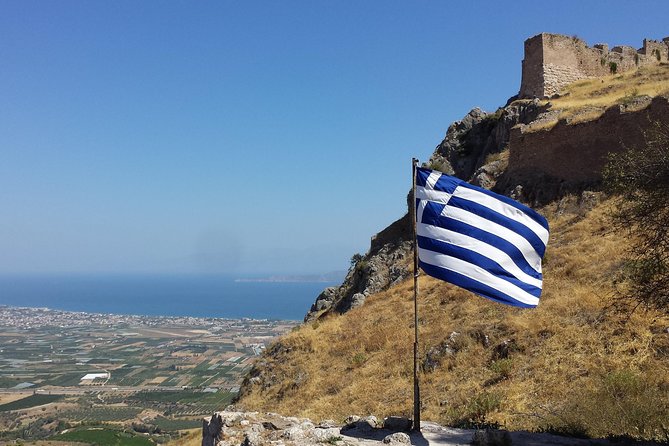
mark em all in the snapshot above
pixel 355 259
pixel 619 404
pixel 640 177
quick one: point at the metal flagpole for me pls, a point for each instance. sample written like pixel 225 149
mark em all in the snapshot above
pixel 416 387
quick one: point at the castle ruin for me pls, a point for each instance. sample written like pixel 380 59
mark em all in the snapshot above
pixel 554 60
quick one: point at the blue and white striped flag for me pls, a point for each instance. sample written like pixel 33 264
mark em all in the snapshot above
pixel 478 240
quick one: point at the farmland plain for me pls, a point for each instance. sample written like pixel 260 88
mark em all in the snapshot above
pixel 64 372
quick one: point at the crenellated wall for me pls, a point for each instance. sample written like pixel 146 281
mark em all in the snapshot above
pixel 554 60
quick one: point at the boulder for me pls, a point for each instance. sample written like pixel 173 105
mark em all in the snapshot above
pixel 357 300
pixel 325 435
pixel 486 176
pixel 397 438
pixel 354 422
pixel 251 439
pixel 268 425
pixel 325 424
pixel 323 302
pixel 438 352
pixel 351 419
pixel 294 433
pixel 372 421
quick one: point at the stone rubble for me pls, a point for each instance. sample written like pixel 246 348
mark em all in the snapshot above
pixel 230 428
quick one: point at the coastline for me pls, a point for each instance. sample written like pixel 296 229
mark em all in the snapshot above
pixel 168 296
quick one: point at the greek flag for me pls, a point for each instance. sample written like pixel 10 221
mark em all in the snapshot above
pixel 478 240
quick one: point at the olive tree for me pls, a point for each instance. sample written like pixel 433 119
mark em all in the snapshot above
pixel 639 177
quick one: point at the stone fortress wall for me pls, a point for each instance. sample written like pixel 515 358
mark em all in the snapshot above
pixel 554 60
pixel 571 157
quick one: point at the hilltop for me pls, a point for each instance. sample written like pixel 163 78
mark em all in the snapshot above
pixel 574 365
pixel 560 367
pixel 536 151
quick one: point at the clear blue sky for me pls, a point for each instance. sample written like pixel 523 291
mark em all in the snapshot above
pixel 242 136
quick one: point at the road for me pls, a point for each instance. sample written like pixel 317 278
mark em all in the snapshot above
pixel 81 390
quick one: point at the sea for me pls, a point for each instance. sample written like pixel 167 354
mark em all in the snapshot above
pixel 162 295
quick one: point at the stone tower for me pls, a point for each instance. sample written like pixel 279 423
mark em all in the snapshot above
pixel 554 60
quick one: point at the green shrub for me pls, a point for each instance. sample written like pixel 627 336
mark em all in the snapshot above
pixel 494 117
pixel 569 427
pixel 502 367
pixel 361 267
pixel 355 259
pixel 621 404
pixel 358 359
pixel 465 146
pixel 475 413
pixel 613 67
pixel 630 96
pixel 439 166
pixel 640 176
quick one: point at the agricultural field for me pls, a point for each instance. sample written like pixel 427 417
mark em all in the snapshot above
pixel 106 437
pixel 30 401
pixel 137 379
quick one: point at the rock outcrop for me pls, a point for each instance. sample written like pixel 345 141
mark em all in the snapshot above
pixel 471 140
pixel 385 264
pixel 463 153
pixel 255 429
pixel 535 167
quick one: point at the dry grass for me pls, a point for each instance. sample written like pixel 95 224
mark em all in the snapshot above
pixel 502 157
pixel 538 126
pixel 588 99
pixel 611 90
pixel 361 362
pixel 191 437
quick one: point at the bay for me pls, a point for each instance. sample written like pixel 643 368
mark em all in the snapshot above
pixel 163 295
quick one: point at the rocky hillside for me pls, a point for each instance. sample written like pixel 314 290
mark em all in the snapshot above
pixel 573 365
pixel 533 151
pixel 472 149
